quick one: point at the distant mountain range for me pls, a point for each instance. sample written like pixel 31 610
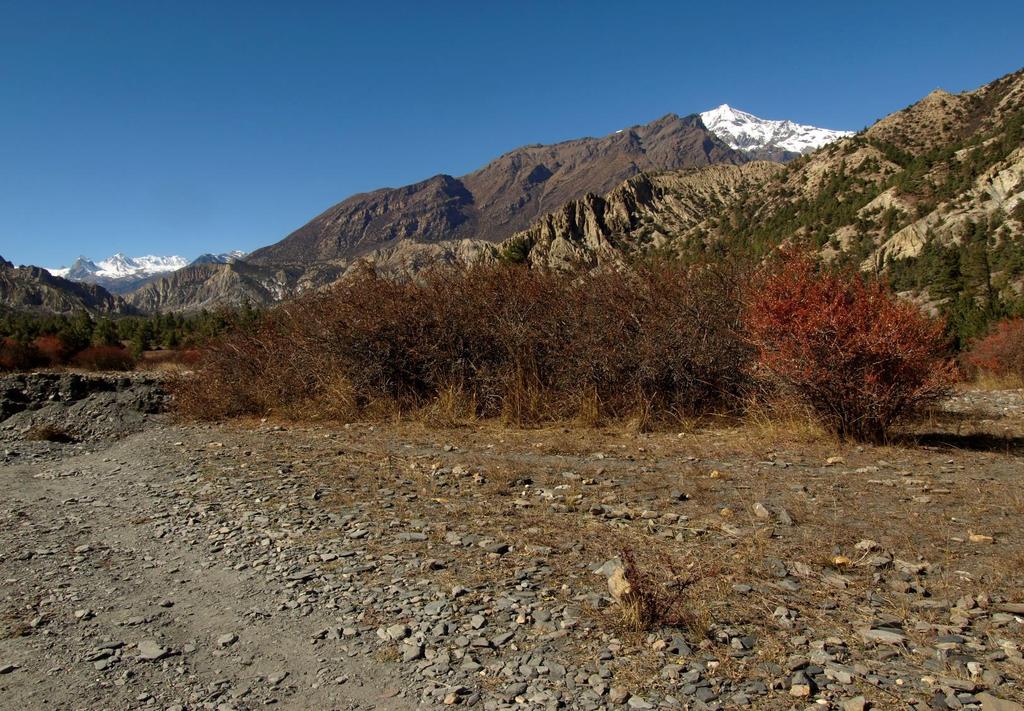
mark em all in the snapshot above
pixel 121 274
pixel 915 182
pixel 500 198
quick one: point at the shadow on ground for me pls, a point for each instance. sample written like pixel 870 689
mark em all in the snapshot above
pixel 975 442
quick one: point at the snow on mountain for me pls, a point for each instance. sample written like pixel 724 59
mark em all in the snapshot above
pixel 223 258
pixel 121 274
pixel 749 133
pixel 120 266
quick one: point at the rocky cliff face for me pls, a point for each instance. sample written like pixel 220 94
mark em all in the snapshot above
pixel 36 289
pixel 211 286
pixel 659 212
pixel 504 196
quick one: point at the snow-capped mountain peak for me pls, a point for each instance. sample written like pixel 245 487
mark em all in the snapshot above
pixel 752 134
pixel 121 265
pixel 120 273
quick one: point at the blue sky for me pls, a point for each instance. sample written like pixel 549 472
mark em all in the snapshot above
pixel 188 127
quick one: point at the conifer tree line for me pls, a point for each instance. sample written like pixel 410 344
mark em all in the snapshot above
pixel 138 334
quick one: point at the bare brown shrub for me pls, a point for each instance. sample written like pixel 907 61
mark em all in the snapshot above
pixel 1000 352
pixel 487 340
pixel 15 355
pixel 657 593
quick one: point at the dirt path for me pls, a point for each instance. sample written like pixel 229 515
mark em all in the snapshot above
pixel 103 552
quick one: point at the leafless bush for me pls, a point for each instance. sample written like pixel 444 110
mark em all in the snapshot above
pixel 487 340
pixel 101 358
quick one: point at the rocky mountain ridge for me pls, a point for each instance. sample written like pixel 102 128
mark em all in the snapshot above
pixel 35 289
pixel 442 219
pixel 212 285
pixel 916 183
pixel 645 213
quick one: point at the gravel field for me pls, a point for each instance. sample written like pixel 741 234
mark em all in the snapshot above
pixel 150 564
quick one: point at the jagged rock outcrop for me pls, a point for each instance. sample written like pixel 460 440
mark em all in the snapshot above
pixel 644 213
pixel 212 286
pixel 34 288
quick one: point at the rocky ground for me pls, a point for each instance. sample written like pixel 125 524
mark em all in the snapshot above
pixel 150 564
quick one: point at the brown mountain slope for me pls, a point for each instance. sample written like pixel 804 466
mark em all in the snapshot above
pixel 36 289
pixel 502 197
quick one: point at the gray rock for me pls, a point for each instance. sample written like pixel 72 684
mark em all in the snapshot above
pixel 618 695
pixel 992 703
pixel 398 632
pixel 411 652
pixel 411 537
pixel 883 635
pixel 149 650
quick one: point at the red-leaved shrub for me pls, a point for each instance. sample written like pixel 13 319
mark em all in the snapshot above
pixel 103 358
pixel 15 355
pixel 848 348
pixel 52 349
pixel 1001 352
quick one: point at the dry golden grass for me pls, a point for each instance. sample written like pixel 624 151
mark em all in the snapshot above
pixel 986 381
pixel 452 407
